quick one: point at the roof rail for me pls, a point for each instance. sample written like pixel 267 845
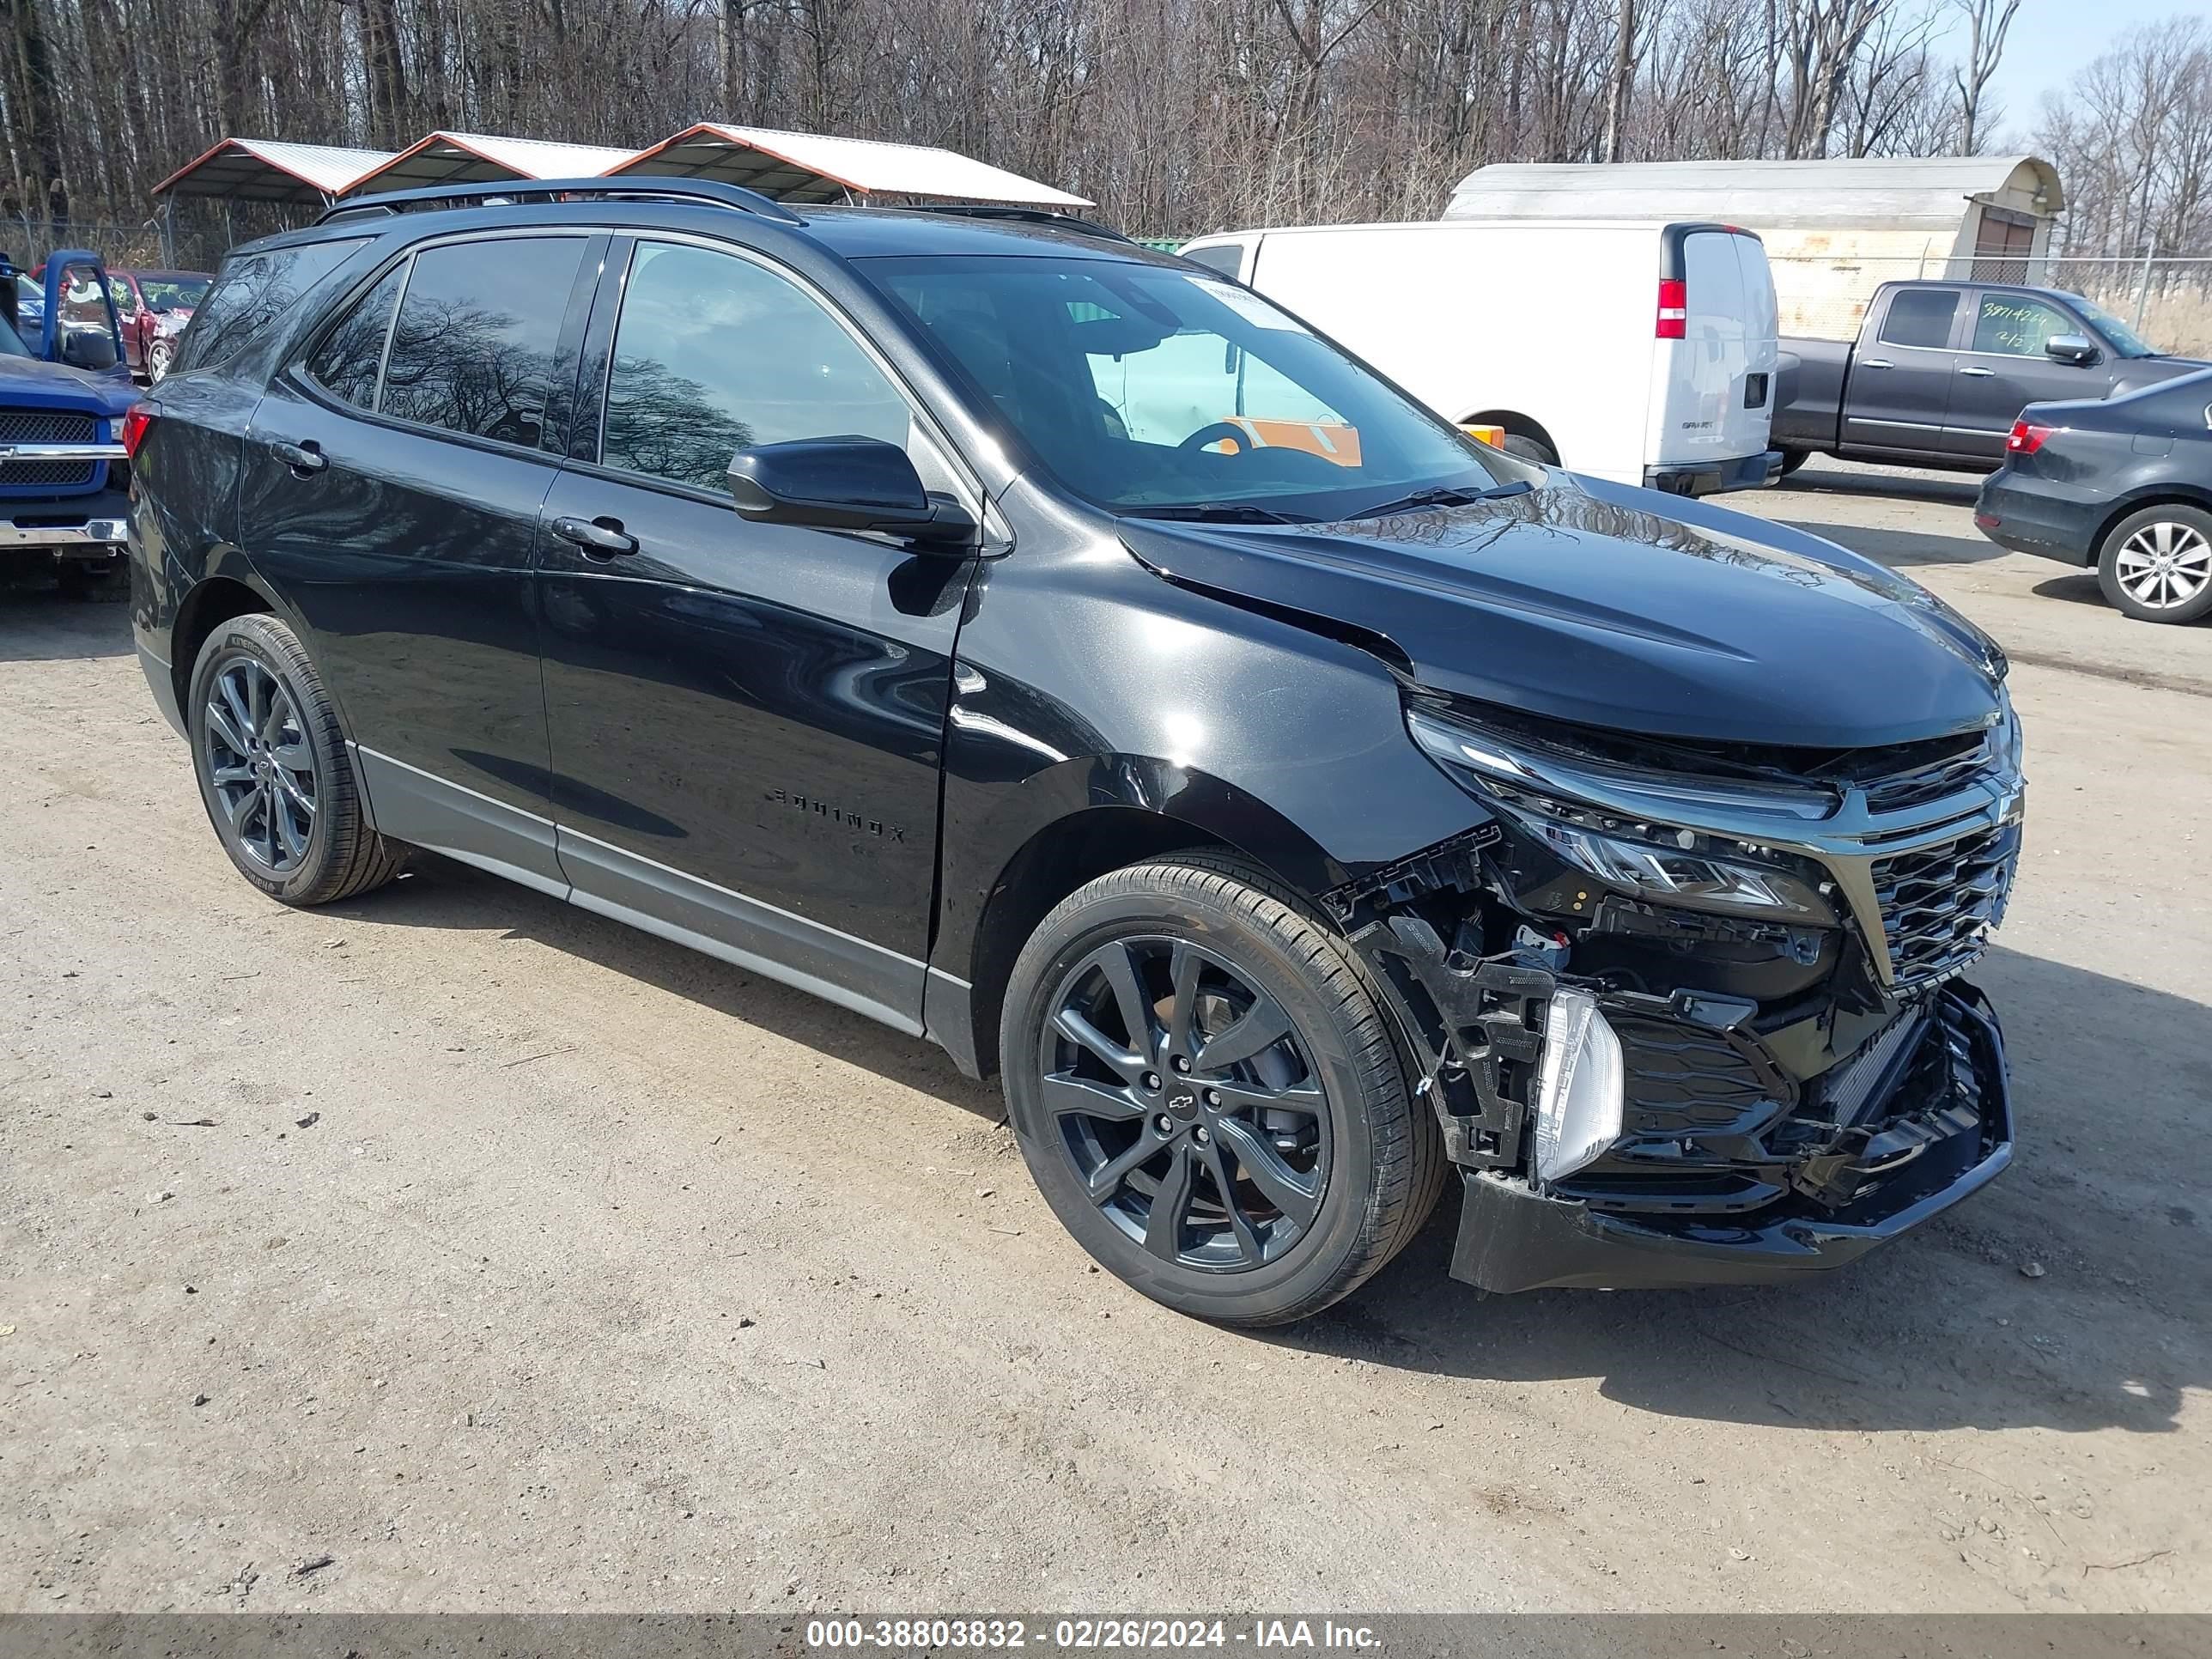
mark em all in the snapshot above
pixel 1032 215
pixel 650 188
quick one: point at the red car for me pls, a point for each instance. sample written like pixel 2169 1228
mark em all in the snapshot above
pixel 153 307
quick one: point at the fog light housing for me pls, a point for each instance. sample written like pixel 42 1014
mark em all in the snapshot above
pixel 1578 1086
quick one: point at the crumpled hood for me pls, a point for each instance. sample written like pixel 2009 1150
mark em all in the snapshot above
pixel 1618 608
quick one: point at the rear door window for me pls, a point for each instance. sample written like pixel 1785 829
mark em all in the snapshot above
pixel 253 293
pixel 472 349
pixel 1920 317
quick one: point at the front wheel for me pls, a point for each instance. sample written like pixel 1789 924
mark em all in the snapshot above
pixel 159 356
pixel 1792 460
pixel 274 774
pixel 1210 1094
pixel 1529 449
pixel 2156 565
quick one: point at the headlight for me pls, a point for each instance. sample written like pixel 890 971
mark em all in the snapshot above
pixel 1675 876
pixel 2011 742
pixel 1667 862
pixel 1578 1086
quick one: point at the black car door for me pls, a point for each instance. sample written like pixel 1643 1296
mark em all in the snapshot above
pixel 2003 369
pixel 1900 378
pixel 392 481
pixel 747 719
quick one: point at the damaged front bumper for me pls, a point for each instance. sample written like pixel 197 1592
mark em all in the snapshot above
pixel 1937 1128
pixel 1645 1093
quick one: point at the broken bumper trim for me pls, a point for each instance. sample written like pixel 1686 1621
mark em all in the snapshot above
pixel 1514 1238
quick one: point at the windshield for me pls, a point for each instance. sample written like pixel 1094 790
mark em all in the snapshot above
pixel 172 293
pixel 1149 389
pixel 2123 339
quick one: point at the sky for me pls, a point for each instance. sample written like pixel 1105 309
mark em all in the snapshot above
pixel 2051 38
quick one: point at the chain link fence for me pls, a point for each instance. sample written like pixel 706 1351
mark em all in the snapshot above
pixel 2167 301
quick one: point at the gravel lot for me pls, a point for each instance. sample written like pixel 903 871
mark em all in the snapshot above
pixel 505 1258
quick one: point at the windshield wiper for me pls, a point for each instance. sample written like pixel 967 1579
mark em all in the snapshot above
pixel 1444 496
pixel 1222 513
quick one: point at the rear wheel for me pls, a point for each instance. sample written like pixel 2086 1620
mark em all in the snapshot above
pixel 1210 1096
pixel 1793 458
pixel 1529 449
pixel 274 773
pixel 2156 565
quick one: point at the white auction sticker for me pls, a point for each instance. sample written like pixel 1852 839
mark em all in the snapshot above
pixel 1250 307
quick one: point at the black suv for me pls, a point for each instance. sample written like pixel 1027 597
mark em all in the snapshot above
pixel 1047 646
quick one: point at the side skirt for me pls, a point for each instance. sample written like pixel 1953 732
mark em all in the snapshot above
pixel 415 806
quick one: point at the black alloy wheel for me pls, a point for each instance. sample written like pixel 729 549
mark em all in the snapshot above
pixel 1210 1093
pixel 1186 1102
pixel 274 771
pixel 257 762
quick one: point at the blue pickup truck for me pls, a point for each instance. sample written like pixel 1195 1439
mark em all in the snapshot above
pixel 64 465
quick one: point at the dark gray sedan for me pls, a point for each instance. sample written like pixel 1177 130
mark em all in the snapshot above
pixel 2122 484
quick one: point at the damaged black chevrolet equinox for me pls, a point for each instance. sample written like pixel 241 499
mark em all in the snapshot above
pixel 1046 646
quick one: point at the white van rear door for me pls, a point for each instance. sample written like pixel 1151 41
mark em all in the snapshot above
pixel 1718 398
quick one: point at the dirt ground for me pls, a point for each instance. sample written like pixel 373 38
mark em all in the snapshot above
pixel 499 1257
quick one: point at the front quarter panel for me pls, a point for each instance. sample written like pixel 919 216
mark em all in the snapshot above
pixel 1085 682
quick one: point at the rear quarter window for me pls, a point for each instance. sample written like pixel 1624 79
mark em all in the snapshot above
pixel 253 293
pixel 1228 258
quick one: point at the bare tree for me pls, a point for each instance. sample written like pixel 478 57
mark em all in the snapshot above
pixel 1177 116
pixel 1987 24
pixel 1624 78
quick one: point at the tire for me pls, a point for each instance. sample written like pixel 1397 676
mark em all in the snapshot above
pixel 1349 1166
pixel 159 356
pixel 279 788
pixel 1529 449
pixel 2156 565
pixel 1793 458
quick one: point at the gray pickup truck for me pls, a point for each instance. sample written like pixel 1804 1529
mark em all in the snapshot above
pixel 1942 369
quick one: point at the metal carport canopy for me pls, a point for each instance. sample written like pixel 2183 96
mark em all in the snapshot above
pixel 808 166
pixel 269 170
pixel 467 158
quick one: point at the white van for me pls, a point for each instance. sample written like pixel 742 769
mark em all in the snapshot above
pixel 1642 352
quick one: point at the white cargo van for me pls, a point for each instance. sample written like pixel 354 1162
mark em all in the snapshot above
pixel 1643 352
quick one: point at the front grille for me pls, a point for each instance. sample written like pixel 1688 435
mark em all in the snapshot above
pixel 1930 781
pixel 46 426
pixel 1938 904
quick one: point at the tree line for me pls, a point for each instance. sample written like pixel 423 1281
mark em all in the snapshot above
pixel 1177 116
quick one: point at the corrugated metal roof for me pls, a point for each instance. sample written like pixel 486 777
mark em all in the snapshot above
pixel 810 166
pixel 270 170
pixel 1904 191
pixel 458 158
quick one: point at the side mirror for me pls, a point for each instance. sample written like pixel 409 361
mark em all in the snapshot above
pixel 87 349
pixel 845 483
pixel 2076 349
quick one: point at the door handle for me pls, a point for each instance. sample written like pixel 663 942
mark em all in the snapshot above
pixel 1978 373
pixel 1877 362
pixel 302 457
pixel 599 538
